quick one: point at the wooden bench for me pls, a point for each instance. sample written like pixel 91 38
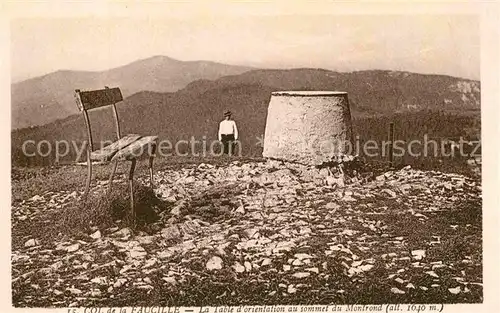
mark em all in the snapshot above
pixel 126 148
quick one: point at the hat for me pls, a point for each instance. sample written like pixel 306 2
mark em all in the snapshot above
pixel 227 113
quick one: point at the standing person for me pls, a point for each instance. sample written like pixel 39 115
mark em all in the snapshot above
pixel 228 133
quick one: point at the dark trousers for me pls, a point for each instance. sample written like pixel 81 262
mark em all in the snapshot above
pixel 227 143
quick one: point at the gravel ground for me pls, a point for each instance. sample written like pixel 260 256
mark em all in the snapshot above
pixel 261 233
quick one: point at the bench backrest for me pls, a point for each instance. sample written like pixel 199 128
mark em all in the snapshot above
pixel 93 99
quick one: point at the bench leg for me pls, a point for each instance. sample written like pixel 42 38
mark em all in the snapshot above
pixel 131 184
pixel 151 159
pixel 151 173
pixel 89 176
pixel 113 171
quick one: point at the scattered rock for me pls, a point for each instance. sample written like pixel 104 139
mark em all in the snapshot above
pixel 31 243
pixel 124 232
pixel 418 254
pixel 366 267
pixel 332 206
pixel 73 247
pixel 100 280
pixel 138 252
pixel 119 282
pixel 313 270
pixel 301 275
pixel 215 263
pixel 397 291
pixel 96 235
pixel 56 265
pixel 399 280
pixel 238 268
pixel 302 256
pixel 74 291
pixel 36 198
pixel 170 280
pixel 248 266
pixel 391 193
pixel 432 273
pixel 171 232
pixel 455 290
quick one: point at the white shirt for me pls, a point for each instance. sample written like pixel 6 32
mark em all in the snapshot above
pixel 228 127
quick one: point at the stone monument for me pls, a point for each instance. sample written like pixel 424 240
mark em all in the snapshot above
pixel 308 127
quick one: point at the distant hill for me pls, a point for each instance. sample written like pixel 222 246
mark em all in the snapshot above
pixel 44 99
pixel 374 90
pixel 196 109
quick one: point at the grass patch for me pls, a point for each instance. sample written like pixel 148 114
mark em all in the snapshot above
pixel 101 211
pixel 104 210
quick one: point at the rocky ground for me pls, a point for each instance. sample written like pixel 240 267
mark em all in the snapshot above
pixel 264 233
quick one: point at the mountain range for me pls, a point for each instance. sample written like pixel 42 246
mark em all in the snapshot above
pixel 190 98
pixel 195 110
pixel 44 99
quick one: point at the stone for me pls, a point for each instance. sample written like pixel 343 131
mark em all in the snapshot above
pixel 252 233
pixel 238 268
pixel 302 256
pixel 36 198
pixel 248 266
pixel 178 208
pixel 73 248
pixel 391 193
pixel 96 235
pixel 399 280
pixel 380 177
pixel 418 254
pixel 138 252
pixel 100 280
pixel 74 291
pixel 57 265
pixel 145 240
pixel 307 127
pixel 171 232
pixel 31 243
pixel 215 263
pixel 301 275
pixel 313 270
pixel 170 280
pixel 335 181
pixel 240 210
pixel 124 232
pixel 332 206
pixel 397 291
pixel 176 211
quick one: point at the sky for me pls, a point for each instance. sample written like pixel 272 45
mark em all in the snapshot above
pixel 433 44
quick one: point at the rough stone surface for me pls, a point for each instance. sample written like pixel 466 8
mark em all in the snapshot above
pixel 308 127
pixel 296 235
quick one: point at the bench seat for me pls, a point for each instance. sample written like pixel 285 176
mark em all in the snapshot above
pixel 143 145
pixel 127 148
